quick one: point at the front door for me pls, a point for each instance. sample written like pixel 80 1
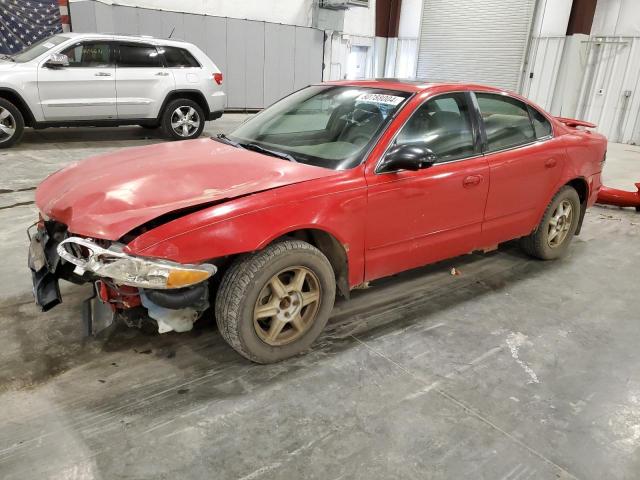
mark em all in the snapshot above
pixel 85 90
pixel 142 81
pixel 415 218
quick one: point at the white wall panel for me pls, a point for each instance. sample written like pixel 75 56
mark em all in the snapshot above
pixel 542 73
pixel 279 56
pixel 610 95
pixel 294 12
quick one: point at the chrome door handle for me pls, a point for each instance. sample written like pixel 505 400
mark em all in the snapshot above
pixel 102 74
pixel 162 74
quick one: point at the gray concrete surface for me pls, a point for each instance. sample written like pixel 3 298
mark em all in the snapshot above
pixel 515 369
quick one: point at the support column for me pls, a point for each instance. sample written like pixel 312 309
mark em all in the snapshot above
pixel 386 41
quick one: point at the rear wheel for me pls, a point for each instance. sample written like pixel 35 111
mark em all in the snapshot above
pixel 273 304
pixel 556 229
pixel 11 124
pixel 182 119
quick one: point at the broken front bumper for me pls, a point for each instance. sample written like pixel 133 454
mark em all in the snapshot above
pixel 173 294
pixel 43 262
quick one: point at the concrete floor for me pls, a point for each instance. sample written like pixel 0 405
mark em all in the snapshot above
pixel 515 369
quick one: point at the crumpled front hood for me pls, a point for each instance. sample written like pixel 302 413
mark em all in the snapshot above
pixel 109 195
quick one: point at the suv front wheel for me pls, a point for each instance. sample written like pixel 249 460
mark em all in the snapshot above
pixel 11 124
pixel 182 119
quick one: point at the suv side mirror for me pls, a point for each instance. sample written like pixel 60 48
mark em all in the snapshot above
pixel 57 60
pixel 413 157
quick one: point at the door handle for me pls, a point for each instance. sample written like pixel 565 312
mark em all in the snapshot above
pixel 550 162
pixel 162 74
pixel 472 180
pixel 102 74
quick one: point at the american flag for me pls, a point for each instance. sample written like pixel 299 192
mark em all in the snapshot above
pixel 23 22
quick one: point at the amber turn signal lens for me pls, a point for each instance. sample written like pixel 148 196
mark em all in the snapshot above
pixel 185 278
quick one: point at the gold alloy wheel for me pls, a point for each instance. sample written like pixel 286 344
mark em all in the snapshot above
pixel 287 306
pixel 560 224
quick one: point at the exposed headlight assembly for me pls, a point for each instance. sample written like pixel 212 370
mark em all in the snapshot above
pixel 128 269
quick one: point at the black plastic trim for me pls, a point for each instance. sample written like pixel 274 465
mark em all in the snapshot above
pixel 173 94
pixel 23 107
pixel 195 296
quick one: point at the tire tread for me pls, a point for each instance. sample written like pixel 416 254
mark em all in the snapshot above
pixel 236 282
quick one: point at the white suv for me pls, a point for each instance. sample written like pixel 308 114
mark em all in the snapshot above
pixel 76 79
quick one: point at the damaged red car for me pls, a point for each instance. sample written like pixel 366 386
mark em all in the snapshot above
pixel 335 185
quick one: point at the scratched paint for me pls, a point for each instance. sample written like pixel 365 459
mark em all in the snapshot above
pixel 514 342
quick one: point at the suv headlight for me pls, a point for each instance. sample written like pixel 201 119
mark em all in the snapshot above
pixel 129 269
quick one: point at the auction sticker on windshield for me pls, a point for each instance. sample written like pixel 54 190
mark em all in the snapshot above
pixel 379 98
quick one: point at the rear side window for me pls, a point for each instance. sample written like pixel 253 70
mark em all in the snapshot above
pixel 178 57
pixel 506 121
pixel 139 56
pixel 89 54
pixel 540 124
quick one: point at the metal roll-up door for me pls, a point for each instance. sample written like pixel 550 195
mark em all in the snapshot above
pixel 481 41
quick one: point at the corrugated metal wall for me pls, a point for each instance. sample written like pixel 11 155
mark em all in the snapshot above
pixel 542 73
pixel 261 62
pixel 610 95
pixel 482 41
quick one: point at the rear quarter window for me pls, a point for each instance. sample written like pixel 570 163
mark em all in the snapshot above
pixel 178 57
pixel 541 125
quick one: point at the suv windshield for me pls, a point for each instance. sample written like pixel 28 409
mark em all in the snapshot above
pixel 322 125
pixel 38 48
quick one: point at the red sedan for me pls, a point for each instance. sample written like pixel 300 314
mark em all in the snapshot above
pixel 335 185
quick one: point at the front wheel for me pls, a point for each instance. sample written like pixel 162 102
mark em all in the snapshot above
pixel 11 124
pixel 273 304
pixel 551 238
pixel 182 119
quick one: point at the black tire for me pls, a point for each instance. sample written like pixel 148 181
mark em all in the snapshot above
pixel 247 278
pixel 17 123
pixel 537 244
pixel 184 103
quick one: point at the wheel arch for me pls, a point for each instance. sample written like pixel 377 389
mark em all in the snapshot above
pixel 329 245
pixel 194 95
pixel 15 98
pixel 581 186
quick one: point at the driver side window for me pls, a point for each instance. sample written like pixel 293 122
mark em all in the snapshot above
pixel 443 124
pixel 89 55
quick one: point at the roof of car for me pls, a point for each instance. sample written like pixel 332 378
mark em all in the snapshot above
pixel 413 85
pixel 134 38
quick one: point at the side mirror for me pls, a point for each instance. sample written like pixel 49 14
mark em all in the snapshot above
pixel 57 60
pixel 413 157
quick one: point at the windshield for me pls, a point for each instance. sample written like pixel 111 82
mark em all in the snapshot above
pixel 38 48
pixel 322 125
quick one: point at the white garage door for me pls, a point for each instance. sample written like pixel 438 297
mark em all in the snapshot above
pixel 482 41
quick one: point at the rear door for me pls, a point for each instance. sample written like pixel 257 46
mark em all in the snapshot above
pixel 84 90
pixel 525 162
pixel 142 80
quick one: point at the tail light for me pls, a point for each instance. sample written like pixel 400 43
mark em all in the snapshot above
pixel 217 77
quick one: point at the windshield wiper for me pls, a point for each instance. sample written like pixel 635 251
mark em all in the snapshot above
pixel 227 140
pixel 4 56
pixel 274 153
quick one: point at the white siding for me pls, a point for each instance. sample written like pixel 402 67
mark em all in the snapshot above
pixel 546 57
pixel 482 41
pixel 610 95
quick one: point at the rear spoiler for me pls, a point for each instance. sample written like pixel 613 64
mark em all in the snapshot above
pixel 572 122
